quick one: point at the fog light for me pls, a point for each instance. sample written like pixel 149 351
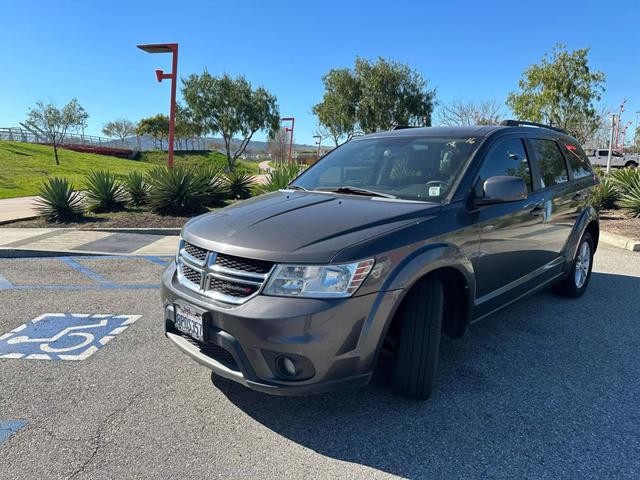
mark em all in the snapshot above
pixel 287 366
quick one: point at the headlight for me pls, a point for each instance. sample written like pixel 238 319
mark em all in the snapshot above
pixel 318 281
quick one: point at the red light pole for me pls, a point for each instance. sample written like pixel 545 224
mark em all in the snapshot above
pixel 289 130
pixel 160 75
pixel 319 142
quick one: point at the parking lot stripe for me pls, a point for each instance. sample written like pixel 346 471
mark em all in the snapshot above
pixel 86 271
pixel 8 428
pixel 4 283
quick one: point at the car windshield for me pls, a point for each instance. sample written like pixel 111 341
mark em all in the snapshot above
pixel 410 168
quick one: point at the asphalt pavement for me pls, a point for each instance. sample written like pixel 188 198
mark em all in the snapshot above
pixel 546 388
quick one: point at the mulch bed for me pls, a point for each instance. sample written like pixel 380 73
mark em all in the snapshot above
pixel 130 218
pixel 619 223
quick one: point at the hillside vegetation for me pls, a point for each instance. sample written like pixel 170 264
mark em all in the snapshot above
pixel 23 166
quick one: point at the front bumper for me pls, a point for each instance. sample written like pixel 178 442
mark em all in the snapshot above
pixel 336 341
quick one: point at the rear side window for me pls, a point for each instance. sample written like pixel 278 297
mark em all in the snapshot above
pixel 551 164
pixel 508 157
pixel 578 161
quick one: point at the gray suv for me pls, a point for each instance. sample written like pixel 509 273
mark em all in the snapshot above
pixel 386 243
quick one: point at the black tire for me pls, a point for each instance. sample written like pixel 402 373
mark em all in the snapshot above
pixel 570 287
pixel 631 164
pixel 416 358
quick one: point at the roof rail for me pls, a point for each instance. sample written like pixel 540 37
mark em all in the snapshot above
pixel 402 127
pixel 519 123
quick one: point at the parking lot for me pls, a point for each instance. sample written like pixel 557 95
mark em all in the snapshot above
pixel 547 388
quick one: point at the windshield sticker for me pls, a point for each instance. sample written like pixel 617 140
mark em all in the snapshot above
pixel 471 140
pixel 434 191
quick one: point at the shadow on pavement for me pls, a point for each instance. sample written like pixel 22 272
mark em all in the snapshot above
pixel 546 388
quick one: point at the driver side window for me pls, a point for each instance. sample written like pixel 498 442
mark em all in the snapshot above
pixel 508 157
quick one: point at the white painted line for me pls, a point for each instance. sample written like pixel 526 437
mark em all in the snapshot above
pixel 12 355
pixel 132 319
pixel 6 335
pixel 106 339
pixel 37 356
pixel 117 330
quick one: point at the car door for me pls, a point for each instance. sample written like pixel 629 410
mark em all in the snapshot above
pixel 511 234
pixel 560 194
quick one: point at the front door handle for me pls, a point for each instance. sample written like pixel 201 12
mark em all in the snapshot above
pixel 535 209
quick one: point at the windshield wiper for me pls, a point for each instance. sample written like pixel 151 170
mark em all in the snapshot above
pixel 356 191
pixel 297 187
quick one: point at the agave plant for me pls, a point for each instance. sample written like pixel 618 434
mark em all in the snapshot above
pixel 137 187
pixel 179 190
pixel 216 183
pixel 281 177
pixel 605 195
pixel 624 178
pixel 104 192
pixel 630 200
pixel 239 184
pixel 58 201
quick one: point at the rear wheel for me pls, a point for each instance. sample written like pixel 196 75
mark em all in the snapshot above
pixel 631 164
pixel 416 357
pixel 576 283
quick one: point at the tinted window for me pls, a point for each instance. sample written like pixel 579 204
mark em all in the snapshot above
pixel 553 169
pixel 414 168
pixel 577 159
pixel 603 153
pixel 508 157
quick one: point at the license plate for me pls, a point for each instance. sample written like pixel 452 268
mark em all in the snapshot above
pixel 189 321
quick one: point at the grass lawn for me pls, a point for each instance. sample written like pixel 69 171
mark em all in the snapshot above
pixel 23 167
pixel 199 158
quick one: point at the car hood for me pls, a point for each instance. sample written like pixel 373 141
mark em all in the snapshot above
pixel 292 226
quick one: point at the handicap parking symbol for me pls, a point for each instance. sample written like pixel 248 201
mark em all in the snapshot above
pixel 63 336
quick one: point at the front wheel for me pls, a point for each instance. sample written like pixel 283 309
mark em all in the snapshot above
pixel 416 358
pixel 576 283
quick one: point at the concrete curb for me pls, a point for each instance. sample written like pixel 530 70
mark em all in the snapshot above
pixel 30 253
pixel 620 241
pixel 13 220
pixel 148 231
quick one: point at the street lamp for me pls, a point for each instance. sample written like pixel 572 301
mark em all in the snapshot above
pixel 160 75
pixel 319 142
pixel 289 130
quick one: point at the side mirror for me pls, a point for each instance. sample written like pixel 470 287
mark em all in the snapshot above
pixel 502 189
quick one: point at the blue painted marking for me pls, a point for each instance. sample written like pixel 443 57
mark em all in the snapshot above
pixel 160 261
pixel 63 336
pixel 86 271
pixel 8 428
pixel 4 283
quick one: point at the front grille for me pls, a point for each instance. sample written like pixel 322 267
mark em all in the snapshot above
pixel 229 279
pixel 190 274
pixel 233 289
pixel 196 252
pixel 212 351
pixel 243 264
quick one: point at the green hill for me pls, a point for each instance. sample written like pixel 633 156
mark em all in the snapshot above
pixel 23 166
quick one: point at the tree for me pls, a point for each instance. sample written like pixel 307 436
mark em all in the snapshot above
pixel 54 122
pixel 278 146
pixel 371 97
pixel 230 107
pixel 636 139
pixel 560 91
pixel 120 128
pixel 337 112
pixel 458 112
pixel 156 126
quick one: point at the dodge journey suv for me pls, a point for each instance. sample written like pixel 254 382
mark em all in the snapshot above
pixel 389 241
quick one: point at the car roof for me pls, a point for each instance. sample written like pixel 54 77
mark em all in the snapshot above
pixel 461 131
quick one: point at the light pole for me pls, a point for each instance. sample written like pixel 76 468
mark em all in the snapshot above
pixel 289 130
pixel 160 75
pixel 319 142
pixel 613 128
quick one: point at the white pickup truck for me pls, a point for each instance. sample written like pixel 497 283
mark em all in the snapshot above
pixel 599 158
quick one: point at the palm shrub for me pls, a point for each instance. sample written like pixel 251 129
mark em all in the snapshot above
pixel 239 184
pixel 179 190
pixel 137 188
pixel 281 177
pixel 624 178
pixel 104 192
pixel 605 195
pixel 630 199
pixel 58 201
pixel 217 189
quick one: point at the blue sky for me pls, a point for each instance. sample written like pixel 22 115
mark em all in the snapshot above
pixel 466 49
